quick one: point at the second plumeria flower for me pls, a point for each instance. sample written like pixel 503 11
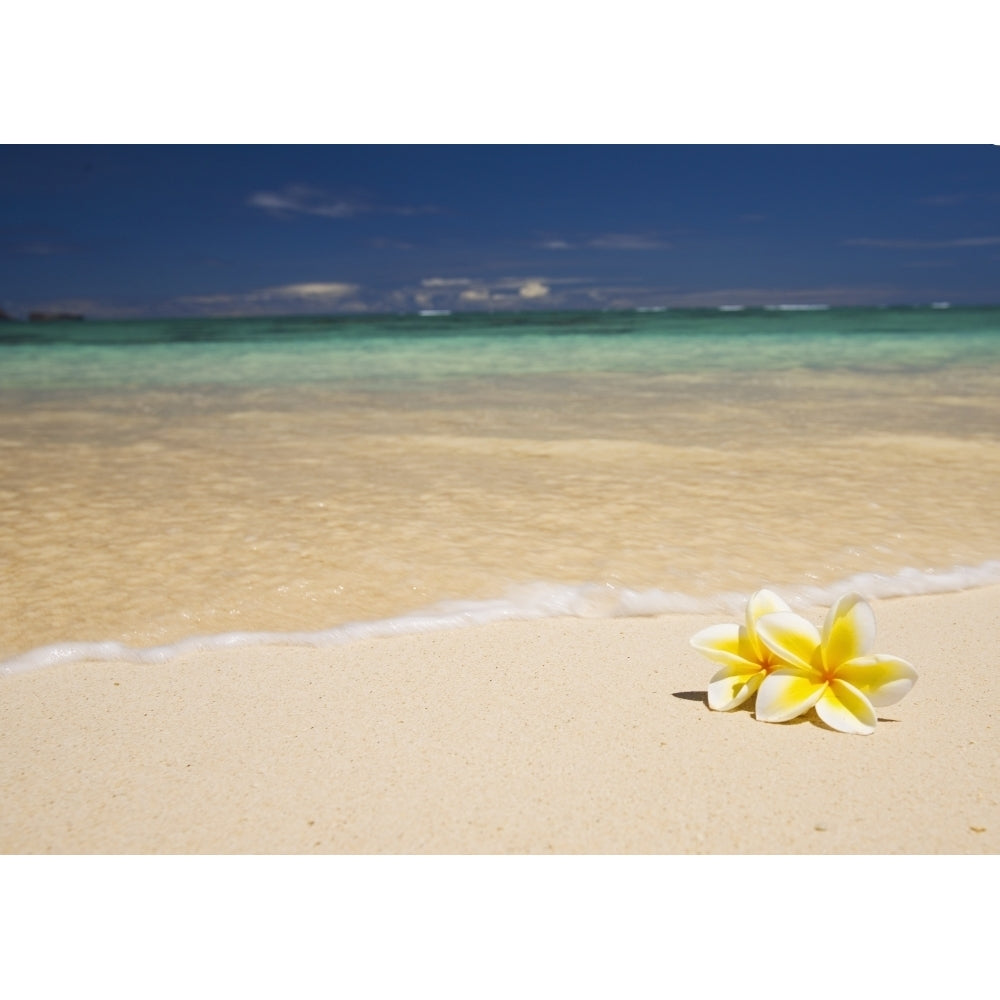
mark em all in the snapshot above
pixel 831 671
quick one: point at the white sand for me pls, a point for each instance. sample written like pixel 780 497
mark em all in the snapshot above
pixel 564 736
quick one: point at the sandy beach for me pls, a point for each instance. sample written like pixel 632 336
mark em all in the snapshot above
pixel 552 736
pixel 228 487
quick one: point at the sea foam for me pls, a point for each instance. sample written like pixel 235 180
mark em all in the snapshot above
pixel 524 603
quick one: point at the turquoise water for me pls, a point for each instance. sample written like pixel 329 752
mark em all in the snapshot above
pixel 390 350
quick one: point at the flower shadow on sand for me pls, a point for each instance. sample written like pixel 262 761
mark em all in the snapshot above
pixel 702 698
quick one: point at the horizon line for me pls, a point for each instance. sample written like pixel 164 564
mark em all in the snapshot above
pixel 45 317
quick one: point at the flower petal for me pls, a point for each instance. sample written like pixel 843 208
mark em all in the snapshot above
pixel 731 686
pixel 849 630
pixel 790 637
pixel 883 680
pixel 726 644
pixel 787 693
pixel 844 708
pixel 764 602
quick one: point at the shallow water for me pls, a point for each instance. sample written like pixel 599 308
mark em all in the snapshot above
pixel 294 482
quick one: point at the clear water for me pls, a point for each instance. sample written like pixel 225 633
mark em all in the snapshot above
pixel 402 349
pixel 160 480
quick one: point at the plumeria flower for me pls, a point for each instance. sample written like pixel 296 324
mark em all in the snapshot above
pixel 832 671
pixel 745 660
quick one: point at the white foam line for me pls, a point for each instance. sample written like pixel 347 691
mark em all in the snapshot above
pixel 533 601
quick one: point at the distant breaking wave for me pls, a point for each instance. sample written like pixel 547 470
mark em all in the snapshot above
pixel 523 603
pixel 795 307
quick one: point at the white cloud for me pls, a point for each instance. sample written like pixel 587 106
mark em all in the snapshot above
pixel 299 199
pixel 302 199
pixel 310 291
pixel 608 241
pixel 448 293
pixel 626 241
pixel 533 290
pixel 302 296
pixel 446 282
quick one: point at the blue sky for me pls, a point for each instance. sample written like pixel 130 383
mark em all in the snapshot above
pixel 123 231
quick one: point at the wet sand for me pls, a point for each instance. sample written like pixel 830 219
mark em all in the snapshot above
pixel 145 517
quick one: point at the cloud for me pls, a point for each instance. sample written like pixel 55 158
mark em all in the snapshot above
pixel 479 291
pixel 298 199
pixel 304 296
pixel 511 291
pixel 626 241
pixel 896 244
pixel 310 291
pixel 520 292
pixel 446 282
pixel 302 199
pixel 533 290
pixel 471 293
pixel 608 241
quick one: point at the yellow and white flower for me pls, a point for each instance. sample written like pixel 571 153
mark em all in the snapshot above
pixel 745 660
pixel 831 671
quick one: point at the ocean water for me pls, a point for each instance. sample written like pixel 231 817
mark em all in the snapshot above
pixel 169 484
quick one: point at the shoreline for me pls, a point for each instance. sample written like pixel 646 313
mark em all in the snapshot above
pixel 526 602
pixel 557 735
